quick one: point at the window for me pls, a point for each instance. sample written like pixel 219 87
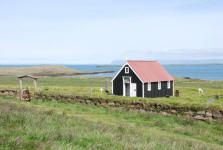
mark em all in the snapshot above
pixel 126 69
pixel 149 86
pixel 168 84
pixel 126 79
pixel 159 85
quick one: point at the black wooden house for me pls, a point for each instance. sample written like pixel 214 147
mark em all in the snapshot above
pixel 143 79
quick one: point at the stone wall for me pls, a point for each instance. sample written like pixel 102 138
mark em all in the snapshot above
pixel 8 92
pixel 198 114
pixel 204 115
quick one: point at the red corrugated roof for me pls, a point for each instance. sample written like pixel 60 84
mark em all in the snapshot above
pixel 150 71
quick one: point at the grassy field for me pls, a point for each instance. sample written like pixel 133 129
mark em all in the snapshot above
pixel 189 96
pixel 58 125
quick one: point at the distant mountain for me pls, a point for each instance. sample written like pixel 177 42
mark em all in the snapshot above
pixel 210 61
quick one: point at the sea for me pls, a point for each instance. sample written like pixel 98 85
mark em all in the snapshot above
pixel 203 72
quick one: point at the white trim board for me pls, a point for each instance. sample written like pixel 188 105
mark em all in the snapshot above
pixel 118 72
pixel 173 89
pixel 123 83
pixel 143 91
pixel 121 70
pixel 112 89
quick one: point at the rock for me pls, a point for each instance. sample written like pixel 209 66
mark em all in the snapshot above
pixel 132 106
pixel 198 117
pixel 201 112
pixel 164 113
pixel 173 111
pixel 88 101
pixel 54 100
pixel 191 113
pixel 111 104
pixel 103 104
pixel 209 114
pixel 142 111
pixel 79 101
pixel 219 119
pixel 11 93
pixel 209 118
pixel 188 117
pixel 117 104
pixel 217 115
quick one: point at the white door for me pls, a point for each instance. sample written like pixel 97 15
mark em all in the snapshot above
pixel 133 90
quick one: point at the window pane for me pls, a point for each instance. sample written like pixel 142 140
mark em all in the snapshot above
pixel 168 84
pixel 159 85
pixel 149 87
pixel 126 69
pixel 127 80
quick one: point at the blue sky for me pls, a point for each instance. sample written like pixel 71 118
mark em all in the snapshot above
pixel 100 31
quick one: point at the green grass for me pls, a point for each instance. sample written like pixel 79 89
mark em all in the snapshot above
pixel 12 82
pixel 189 96
pixel 199 83
pixel 59 125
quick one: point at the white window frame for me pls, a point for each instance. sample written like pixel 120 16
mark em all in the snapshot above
pixel 126 69
pixel 168 84
pixel 159 86
pixel 149 86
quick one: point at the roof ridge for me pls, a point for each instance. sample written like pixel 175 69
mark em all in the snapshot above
pixel 149 71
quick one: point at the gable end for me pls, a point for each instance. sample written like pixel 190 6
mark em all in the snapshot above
pixel 126 64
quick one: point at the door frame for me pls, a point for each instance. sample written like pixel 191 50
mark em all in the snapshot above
pixel 123 84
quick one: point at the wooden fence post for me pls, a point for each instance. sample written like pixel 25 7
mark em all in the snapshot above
pixel 35 84
pixel 20 88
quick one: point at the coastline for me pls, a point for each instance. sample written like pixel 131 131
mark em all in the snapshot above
pixel 206 71
pixel 72 74
pixel 202 64
pixel 53 71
